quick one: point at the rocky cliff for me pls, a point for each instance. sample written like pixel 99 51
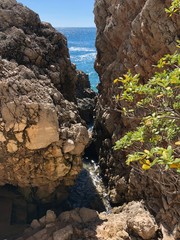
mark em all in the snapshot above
pixel 41 133
pixel 28 41
pixel 42 136
pixel 132 35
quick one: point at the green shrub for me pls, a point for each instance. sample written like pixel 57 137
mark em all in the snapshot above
pixel 155 106
pixel 174 8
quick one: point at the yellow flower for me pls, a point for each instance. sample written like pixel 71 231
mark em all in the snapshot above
pixel 148 162
pixel 146 165
pixel 116 80
pixel 174 165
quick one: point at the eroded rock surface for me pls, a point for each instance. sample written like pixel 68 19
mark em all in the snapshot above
pixel 129 222
pixel 132 35
pixel 36 124
pixel 42 136
pixel 37 45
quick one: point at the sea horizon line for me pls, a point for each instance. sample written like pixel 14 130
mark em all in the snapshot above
pixel 75 27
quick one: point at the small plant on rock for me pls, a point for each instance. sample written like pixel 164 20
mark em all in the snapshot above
pixel 156 107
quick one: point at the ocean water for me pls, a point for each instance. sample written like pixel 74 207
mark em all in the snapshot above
pixel 81 43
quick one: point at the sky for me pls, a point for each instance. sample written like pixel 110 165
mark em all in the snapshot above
pixel 63 13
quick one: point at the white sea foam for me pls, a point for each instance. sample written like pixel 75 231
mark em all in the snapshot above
pixel 81 49
pixel 81 42
pixel 84 57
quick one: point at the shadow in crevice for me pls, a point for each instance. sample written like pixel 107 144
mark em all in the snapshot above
pixel 13 212
pixel 83 194
pixel 17 212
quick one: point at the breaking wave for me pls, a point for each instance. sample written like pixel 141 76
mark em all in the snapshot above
pixel 81 49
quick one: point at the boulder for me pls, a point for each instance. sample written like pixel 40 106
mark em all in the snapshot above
pixel 128 222
pixel 64 233
pixel 37 120
pixel 35 131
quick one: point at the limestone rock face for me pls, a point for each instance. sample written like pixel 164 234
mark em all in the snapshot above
pixel 37 45
pixel 44 132
pixel 134 35
pixel 130 35
pixel 35 125
pixel 37 119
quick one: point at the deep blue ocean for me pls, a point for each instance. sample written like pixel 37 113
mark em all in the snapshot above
pixel 81 43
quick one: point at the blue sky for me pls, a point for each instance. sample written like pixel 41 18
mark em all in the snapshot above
pixel 63 13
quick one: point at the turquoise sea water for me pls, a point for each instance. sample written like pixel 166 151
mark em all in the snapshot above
pixel 81 43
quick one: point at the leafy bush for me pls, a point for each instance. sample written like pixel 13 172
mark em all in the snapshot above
pixel 174 8
pixel 156 107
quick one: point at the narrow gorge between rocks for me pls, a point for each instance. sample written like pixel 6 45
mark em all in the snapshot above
pixel 60 180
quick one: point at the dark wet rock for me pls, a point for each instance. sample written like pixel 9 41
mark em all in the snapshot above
pixel 86 108
pixel 86 98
